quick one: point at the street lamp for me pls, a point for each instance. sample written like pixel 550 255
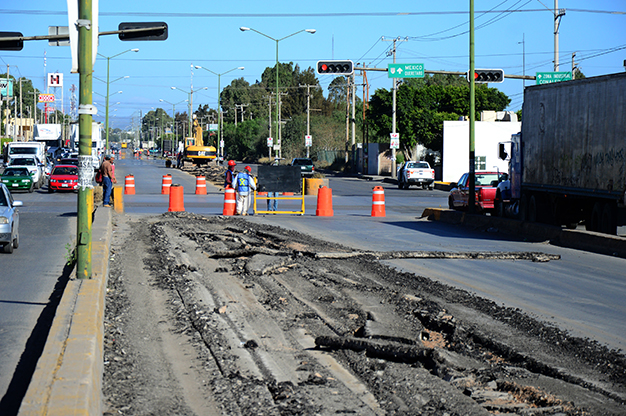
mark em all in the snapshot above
pixel 311 31
pixel 190 94
pixel 108 58
pixel 173 115
pixel 219 106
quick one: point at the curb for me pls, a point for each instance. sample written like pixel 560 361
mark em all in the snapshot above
pixel 599 243
pixel 68 376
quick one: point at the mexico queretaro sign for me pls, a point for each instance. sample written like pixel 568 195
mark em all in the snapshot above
pixel 405 71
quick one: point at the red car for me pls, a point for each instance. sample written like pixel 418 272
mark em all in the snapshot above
pixel 63 178
pixel 486 185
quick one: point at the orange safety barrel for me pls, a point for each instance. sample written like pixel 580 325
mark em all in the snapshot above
pixel 177 199
pixel 324 202
pixel 166 184
pixel 230 202
pixel 129 185
pixel 200 185
pixel 378 202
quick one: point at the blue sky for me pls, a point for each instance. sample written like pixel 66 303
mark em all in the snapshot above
pixel 207 34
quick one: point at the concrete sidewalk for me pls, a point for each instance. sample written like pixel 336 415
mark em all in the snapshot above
pixel 68 377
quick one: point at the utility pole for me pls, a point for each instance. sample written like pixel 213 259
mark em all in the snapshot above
pixel 85 119
pixel 347 117
pixel 353 122
pixel 395 86
pixel 308 114
pixel 558 14
pixel 270 123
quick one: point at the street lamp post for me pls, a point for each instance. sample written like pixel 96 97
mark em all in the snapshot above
pixel 311 31
pixel 173 115
pixel 106 121
pixel 219 105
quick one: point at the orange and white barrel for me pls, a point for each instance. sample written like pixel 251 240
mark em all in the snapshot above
pixel 129 185
pixel 166 184
pixel 378 202
pixel 230 202
pixel 200 185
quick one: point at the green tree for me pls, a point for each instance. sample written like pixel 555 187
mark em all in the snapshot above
pixel 422 107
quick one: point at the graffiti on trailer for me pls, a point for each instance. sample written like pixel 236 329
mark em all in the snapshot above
pixel 579 171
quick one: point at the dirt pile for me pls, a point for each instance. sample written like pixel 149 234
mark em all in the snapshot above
pixel 221 316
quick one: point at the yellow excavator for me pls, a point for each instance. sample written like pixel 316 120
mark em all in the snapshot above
pixel 195 150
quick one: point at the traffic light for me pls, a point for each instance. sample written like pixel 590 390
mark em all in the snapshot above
pixel 143 31
pixel 11 45
pixel 335 67
pixel 483 76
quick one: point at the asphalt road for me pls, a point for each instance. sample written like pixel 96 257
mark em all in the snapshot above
pixel 31 280
pixel 582 293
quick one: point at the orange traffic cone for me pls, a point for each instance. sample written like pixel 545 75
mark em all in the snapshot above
pixel 378 202
pixel 165 186
pixel 129 185
pixel 324 202
pixel 200 185
pixel 177 199
pixel 230 203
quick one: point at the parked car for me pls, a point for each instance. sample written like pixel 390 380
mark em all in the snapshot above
pixel 9 220
pixel 306 165
pixel 34 166
pixel 416 173
pixel 63 178
pixel 485 187
pixel 18 178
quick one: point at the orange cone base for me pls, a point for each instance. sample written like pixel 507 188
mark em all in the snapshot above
pixel 177 199
pixel 324 202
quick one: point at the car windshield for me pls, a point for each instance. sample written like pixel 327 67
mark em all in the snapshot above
pixel 486 179
pixel 24 162
pixel 23 151
pixel 16 172
pixel 3 201
pixel 65 170
pixel 417 165
pixel 302 162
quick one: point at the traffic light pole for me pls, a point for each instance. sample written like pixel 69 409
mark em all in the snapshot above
pixel 472 116
pixel 85 119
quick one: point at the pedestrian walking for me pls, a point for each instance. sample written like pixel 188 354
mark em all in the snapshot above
pixel 244 185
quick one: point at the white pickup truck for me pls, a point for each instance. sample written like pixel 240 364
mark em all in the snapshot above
pixel 416 173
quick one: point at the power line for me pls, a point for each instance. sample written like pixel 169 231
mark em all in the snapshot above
pixel 290 15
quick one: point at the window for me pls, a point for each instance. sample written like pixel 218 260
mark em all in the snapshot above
pixel 480 163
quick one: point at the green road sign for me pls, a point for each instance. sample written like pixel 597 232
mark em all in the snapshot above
pixel 550 77
pixel 405 71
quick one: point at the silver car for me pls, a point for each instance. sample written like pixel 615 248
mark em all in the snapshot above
pixel 9 220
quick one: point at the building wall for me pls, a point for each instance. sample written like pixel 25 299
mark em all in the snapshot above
pixel 487 136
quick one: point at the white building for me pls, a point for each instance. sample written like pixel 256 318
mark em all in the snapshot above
pixel 487 136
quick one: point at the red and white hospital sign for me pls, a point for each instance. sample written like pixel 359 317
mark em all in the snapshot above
pixel 55 79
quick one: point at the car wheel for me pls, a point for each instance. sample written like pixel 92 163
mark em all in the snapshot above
pixel 8 248
pixel 16 241
pixel 50 190
pixel 450 203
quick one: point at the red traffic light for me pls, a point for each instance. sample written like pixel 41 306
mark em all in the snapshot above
pixel 483 76
pixel 335 67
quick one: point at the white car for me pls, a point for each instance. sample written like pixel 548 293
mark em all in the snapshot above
pixel 9 220
pixel 34 166
pixel 416 173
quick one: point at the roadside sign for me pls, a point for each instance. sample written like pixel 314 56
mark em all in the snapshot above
pixel 308 140
pixel 213 127
pixel 405 70
pixel 550 77
pixel 3 87
pixel 46 98
pixel 395 140
pixel 270 142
